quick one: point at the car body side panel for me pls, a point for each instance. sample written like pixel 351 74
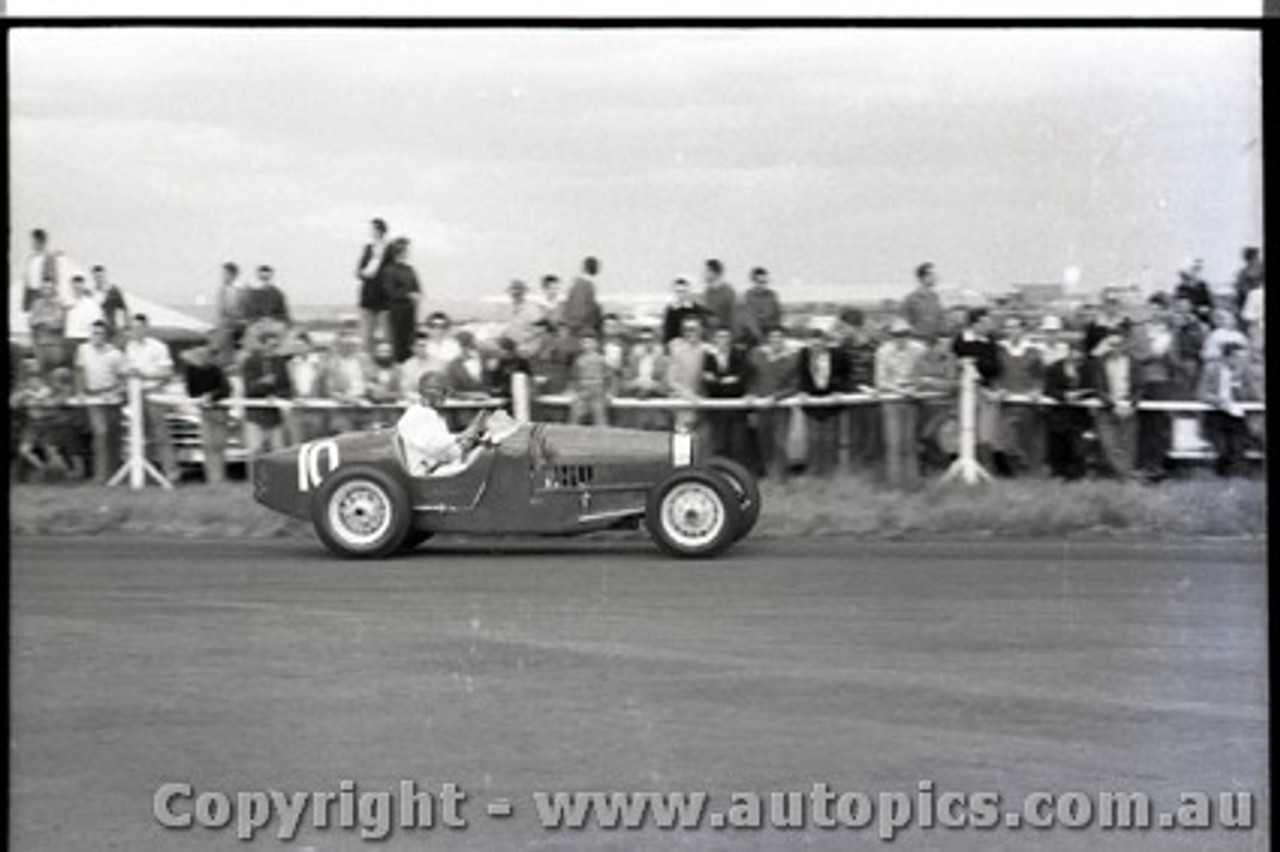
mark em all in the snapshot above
pixel 543 479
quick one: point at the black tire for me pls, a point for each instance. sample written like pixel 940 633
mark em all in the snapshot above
pixel 749 500
pixel 361 512
pixel 414 538
pixel 711 514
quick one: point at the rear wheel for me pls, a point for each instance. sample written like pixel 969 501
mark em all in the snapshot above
pixel 744 484
pixel 361 513
pixel 693 513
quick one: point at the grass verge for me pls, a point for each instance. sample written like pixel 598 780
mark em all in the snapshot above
pixel 850 506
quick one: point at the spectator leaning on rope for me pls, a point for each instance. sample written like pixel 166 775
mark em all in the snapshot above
pixel 1187 347
pixel 100 377
pixel 725 375
pixel 307 375
pixel 938 373
pixel 590 383
pixel 897 372
pixel 1066 423
pixel 1020 431
pixel 346 381
pixel 644 376
pixel 148 358
pixel 207 383
pixel 865 445
pixel 1110 375
pixel 266 377
pixel 774 376
pixel 822 370
pixel 1228 381
pixel 685 357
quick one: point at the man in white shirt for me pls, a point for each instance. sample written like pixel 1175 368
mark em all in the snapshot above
pixel 428 443
pixel 148 359
pixel 41 267
pixel 522 322
pixel 99 376
pixel 82 313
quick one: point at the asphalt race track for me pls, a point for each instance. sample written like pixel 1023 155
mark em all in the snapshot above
pixel 577 665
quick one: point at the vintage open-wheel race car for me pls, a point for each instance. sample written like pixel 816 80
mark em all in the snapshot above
pixel 521 479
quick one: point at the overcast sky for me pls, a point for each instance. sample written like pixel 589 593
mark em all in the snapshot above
pixel 838 158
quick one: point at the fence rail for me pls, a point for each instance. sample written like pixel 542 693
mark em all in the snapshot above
pixel 132 402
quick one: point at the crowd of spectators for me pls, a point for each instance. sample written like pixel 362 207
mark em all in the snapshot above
pixel 713 342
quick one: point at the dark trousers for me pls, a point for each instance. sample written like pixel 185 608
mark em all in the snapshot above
pixel 1065 451
pixel 866 444
pixel 1230 438
pixel 727 432
pixel 400 319
pixel 771 441
pixel 824 441
pixel 1155 430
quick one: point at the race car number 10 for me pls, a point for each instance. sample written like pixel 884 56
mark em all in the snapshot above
pixel 309 474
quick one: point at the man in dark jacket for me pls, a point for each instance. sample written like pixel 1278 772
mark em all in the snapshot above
pixel 683 305
pixel 266 376
pixel 582 312
pixel 1066 423
pixel 823 370
pixel 207 384
pixel 725 375
pixel 400 286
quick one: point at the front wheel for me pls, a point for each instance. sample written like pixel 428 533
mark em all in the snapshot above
pixel 749 500
pixel 693 513
pixel 361 513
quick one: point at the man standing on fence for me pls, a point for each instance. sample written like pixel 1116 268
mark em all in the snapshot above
pixel 761 309
pixel 148 358
pixel 372 300
pixel 231 322
pixel 922 308
pixel 82 313
pixel 682 305
pixel 264 300
pixel 111 300
pixel 581 309
pixel 896 372
pixel 100 377
pixel 719 298
pixel 41 267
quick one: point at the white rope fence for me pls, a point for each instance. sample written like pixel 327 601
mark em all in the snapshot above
pixel 137 469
